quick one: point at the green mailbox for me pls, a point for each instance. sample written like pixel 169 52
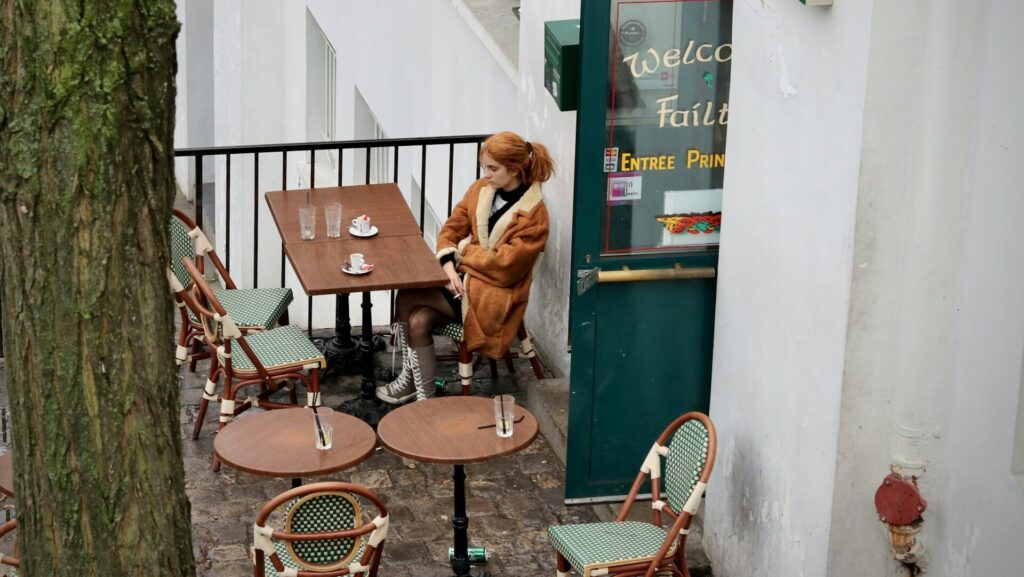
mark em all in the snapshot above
pixel 562 61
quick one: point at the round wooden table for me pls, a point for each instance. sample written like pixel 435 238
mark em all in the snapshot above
pixel 447 430
pixel 281 443
pixel 7 474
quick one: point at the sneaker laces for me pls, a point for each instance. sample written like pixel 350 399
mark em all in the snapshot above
pixel 394 349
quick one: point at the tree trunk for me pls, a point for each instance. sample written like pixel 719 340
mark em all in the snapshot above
pixel 86 186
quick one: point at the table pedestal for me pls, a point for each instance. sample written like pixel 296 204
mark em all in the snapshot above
pixel 340 350
pixel 367 407
pixel 460 524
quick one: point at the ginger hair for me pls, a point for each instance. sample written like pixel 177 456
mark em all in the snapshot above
pixel 530 160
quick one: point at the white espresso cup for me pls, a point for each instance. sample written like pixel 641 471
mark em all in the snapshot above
pixel 355 260
pixel 362 224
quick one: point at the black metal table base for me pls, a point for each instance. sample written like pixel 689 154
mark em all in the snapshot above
pixel 460 525
pixel 367 407
pixel 341 358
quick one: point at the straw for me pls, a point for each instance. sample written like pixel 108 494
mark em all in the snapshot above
pixel 316 417
pixel 501 403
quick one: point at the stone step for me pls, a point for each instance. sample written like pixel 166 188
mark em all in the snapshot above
pixel 548 400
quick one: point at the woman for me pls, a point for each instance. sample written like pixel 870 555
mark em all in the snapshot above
pixel 488 248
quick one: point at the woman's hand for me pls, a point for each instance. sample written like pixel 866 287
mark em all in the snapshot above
pixel 464 242
pixel 454 285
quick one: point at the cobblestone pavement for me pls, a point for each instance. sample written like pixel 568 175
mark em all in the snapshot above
pixel 511 501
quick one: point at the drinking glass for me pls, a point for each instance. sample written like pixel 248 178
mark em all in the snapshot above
pixel 504 414
pixel 332 213
pixel 323 427
pixel 307 222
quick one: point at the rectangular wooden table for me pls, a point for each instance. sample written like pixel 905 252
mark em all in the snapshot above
pixel 400 256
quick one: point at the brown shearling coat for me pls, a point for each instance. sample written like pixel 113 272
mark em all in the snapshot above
pixel 497 265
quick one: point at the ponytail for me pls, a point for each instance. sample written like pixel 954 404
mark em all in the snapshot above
pixel 531 160
pixel 539 167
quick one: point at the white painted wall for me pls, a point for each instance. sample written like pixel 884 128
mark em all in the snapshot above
pixel 907 257
pixel 888 329
pixel 983 520
pixel 548 316
pixel 795 124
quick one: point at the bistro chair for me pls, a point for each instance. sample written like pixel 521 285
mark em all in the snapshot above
pixel 685 452
pixel 323 533
pixel 253 310
pixel 9 564
pixel 269 360
pixel 467 365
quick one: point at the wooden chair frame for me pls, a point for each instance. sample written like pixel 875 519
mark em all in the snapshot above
pixel 269 382
pixel 8 560
pixel 680 520
pixel 190 336
pixel 375 531
pixel 468 365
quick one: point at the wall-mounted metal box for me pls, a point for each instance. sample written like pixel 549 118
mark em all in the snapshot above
pixel 562 61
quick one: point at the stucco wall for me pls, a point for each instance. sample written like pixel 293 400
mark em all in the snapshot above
pixel 983 516
pixel 548 315
pixel 784 283
pixel 904 116
pixel 908 256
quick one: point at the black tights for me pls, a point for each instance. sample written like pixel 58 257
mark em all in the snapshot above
pixel 424 309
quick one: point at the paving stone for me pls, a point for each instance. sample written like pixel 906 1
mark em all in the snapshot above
pixel 510 501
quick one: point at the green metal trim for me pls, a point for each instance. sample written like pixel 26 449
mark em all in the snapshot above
pixel 590 142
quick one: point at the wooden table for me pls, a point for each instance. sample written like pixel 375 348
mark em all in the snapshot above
pixel 7 474
pixel 398 252
pixel 281 443
pixel 447 430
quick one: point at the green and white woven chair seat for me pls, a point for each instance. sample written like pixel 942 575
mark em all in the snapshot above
pixel 255 309
pixel 277 349
pixel 450 330
pixel 319 513
pixel 592 546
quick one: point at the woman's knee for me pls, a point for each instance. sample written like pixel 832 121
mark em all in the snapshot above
pixel 405 301
pixel 421 322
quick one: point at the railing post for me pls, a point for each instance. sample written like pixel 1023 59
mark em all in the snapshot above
pixel 423 183
pixel 199 192
pixel 227 217
pixel 451 170
pixel 366 179
pixel 256 221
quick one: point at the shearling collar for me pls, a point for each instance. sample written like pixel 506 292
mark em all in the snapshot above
pixel 531 198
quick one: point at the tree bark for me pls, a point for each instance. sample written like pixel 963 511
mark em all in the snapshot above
pixel 86 186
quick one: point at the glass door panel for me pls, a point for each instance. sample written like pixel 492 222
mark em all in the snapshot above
pixel 667 114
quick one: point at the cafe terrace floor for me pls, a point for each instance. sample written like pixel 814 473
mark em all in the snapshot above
pixel 511 501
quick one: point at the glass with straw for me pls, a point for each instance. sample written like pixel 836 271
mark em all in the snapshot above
pixel 504 414
pixel 323 425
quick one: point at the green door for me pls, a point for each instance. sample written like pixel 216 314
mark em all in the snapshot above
pixel 650 156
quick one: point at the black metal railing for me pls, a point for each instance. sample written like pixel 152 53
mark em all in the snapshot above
pixel 396 146
pixel 200 156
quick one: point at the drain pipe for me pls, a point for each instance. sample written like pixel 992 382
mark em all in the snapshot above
pixel 898 501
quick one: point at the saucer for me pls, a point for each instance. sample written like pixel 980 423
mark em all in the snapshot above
pixel 347 269
pixel 355 232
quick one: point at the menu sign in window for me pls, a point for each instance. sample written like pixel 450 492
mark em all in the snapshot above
pixel 668 110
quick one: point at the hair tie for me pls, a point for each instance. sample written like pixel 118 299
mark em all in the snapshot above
pixel 529 148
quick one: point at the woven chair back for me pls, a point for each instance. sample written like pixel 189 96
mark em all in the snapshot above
pixel 322 513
